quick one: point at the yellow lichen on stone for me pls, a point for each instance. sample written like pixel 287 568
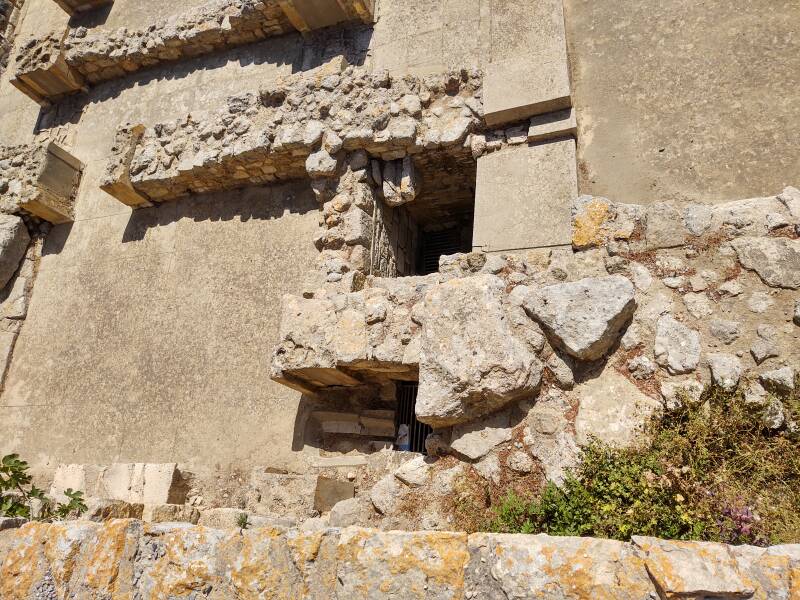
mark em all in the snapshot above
pixel 588 227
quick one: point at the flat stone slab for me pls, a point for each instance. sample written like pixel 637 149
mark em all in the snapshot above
pixel 521 186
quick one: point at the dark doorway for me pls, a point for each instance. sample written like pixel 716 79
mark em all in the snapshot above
pixel 406 415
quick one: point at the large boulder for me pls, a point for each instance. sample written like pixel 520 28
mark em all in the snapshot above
pixel 14 241
pixel 472 359
pixel 776 260
pixel 584 317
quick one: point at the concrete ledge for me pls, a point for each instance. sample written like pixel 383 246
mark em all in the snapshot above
pixel 127 558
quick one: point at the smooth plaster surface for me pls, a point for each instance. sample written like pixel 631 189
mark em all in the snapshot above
pixel 686 100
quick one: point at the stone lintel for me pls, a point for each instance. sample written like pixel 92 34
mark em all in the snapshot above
pixel 524 195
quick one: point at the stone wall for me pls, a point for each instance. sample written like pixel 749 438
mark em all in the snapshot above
pixel 9 16
pixel 125 558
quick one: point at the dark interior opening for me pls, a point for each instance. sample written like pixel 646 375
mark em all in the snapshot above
pixel 437 222
pixel 406 416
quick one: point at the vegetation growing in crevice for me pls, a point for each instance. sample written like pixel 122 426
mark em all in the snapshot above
pixel 20 498
pixel 711 472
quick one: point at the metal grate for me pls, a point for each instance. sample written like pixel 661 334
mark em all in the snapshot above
pixel 406 415
pixel 436 244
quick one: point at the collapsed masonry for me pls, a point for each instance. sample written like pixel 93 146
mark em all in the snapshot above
pixel 9 16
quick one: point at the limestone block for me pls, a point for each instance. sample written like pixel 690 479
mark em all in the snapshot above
pixel 82 478
pixel 14 240
pixel 72 7
pixel 7 340
pixel 693 569
pixel 229 518
pixel 432 565
pixel 346 513
pixel 726 370
pixel 529 74
pixel 584 317
pixel 331 491
pixel 523 196
pixel 415 472
pixel 613 410
pixel 471 361
pixel 562 123
pixel 147 483
pixel 539 566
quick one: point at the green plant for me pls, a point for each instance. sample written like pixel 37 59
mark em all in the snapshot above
pixel 242 521
pixel 708 472
pixel 20 498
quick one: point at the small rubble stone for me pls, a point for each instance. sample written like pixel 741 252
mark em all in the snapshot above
pixel 415 472
pixel 677 348
pixel 489 468
pixel 641 367
pixel 773 416
pixel 730 288
pixel 778 379
pixel 520 461
pixel 726 370
pixel 725 331
pixel 698 305
pixel 759 302
pixel 766 346
pixel 796 317
pixel 385 494
pixel 346 513
pixel 678 393
pixel 585 317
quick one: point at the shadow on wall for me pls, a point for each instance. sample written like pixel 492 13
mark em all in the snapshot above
pixel 301 53
pixel 260 203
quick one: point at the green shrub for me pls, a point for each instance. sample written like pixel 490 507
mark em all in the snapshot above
pixel 18 495
pixel 709 472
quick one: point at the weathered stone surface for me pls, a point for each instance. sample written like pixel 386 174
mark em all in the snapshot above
pixel 14 241
pixel 475 440
pixel 415 472
pixel 170 513
pixel 776 260
pixel 679 393
pixel 127 558
pixel 726 370
pixel 613 410
pixel 527 567
pixel 677 348
pixel 693 569
pixel 779 379
pixel 385 494
pixel 346 513
pixel 102 509
pixel 471 361
pixel 584 317
pixel 550 435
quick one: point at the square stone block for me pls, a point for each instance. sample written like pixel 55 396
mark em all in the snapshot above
pixel 330 491
pixel 523 196
pixel 557 124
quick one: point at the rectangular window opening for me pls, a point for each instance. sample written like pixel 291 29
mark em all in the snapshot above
pixel 406 419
